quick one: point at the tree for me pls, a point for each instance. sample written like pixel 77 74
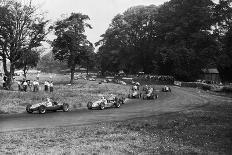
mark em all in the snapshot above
pixel 22 29
pixel 223 33
pixel 28 59
pixel 48 64
pixel 128 43
pixel 71 42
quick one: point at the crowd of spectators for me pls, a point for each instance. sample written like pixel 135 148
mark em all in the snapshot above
pixel 27 85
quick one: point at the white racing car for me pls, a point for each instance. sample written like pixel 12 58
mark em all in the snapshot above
pixel 112 101
pixel 48 105
pixel 149 94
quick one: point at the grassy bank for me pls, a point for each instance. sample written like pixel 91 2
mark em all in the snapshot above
pixel 76 95
pixel 205 130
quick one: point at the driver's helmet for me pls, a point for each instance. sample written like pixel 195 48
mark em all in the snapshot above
pixel 48 99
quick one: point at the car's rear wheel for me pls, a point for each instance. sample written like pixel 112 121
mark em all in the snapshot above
pixel 89 105
pixel 102 106
pixel 144 97
pixel 42 109
pixel 28 109
pixel 65 107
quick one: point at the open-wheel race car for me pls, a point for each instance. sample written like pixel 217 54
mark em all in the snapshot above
pixel 102 103
pixel 48 105
pixel 149 94
pixel 166 89
pixel 134 92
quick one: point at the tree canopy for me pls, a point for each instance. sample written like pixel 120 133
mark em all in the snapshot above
pixel 71 44
pixel 179 38
pixel 22 30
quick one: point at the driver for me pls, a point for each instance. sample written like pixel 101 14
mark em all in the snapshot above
pixel 49 102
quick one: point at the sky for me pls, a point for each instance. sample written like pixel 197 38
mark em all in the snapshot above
pixel 101 12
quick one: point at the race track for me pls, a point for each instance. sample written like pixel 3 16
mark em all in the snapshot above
pixel 179 99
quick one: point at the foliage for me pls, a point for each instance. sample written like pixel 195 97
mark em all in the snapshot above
pixel 22 30
pixel 48 64
pixel 71 44
pixel 178 38
pixel 28 59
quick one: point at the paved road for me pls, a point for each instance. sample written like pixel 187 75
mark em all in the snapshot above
pixel 179 99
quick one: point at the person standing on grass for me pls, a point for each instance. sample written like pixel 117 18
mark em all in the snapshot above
pixel 24 85
pixel 51 86
pixel 35 86
pixel 46 86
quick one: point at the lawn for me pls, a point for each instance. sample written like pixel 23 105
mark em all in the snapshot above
pixel 205 130
pixel 76 95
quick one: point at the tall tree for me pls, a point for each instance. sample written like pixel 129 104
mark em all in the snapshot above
pixel 71 42
pixel 223 33
pixel 22 29
pixel 128 43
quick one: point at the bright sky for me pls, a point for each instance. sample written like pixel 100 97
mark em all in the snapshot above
pixel 101 12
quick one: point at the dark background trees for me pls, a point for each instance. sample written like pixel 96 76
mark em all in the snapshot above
pixel 179 38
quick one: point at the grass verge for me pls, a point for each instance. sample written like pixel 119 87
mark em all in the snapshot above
pixel 205 130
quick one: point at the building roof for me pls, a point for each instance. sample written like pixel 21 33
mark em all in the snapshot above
pixel 211 71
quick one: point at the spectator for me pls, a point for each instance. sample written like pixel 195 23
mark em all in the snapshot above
pixel 35 86
pixel 46 85
pixel 29 84
pixel 25 85
pixel 19 85
pixel 51 86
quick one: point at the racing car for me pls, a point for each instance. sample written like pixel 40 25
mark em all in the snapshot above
pixel 166 89
pixel 134 92
pixel 149 94
pixel 48 105
pixel 102 103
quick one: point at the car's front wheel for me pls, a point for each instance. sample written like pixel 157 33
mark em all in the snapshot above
pixel 65 107
pixel 117 104
pixel 28 109
pixel 42 109
pixel 102 106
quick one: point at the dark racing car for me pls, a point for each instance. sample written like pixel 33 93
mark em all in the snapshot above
pixel 48 105
pixel 102 103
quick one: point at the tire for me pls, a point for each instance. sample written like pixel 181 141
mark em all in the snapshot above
pixel 28 109
pixel 122 100
pixel 102 106
pixel 89 105
pixel 144 97
pixel 42 109
pixel 65 107
pixel 117 104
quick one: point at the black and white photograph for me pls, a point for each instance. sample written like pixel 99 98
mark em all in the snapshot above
pixel 115 77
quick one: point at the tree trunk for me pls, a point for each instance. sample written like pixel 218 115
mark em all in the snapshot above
pixel 72 74
pixel 87 68
pixel 10 77
pixel 25 72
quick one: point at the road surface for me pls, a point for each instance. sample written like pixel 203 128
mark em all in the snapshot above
pixel 179 99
